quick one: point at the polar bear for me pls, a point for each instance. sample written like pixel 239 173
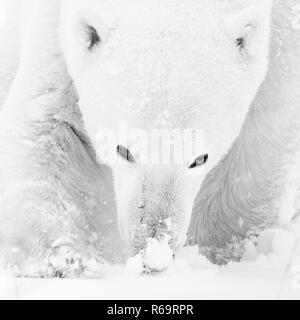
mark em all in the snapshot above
pixel 163 65
pixel 57 213
pixel 239 197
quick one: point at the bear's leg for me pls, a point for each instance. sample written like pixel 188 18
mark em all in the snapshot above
pixel 54 192
pixel 239 196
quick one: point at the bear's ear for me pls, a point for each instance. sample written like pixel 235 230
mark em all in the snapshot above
pixel 250 27
pixel 91 36
pixel 87 31
pixel 81 31
pixel 81 35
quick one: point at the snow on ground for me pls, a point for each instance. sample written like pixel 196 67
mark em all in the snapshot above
pixel 270 270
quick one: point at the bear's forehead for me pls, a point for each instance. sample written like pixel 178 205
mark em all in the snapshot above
pixel 161 7
pixel 156 12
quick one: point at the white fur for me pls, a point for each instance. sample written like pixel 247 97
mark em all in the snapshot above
pixel 9 38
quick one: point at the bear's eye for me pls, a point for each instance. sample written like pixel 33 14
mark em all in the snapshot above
pixel 125 154
pixel 93 37
pixel 241 43
pixel 200 161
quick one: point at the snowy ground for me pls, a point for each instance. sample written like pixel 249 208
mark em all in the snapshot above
pixel 271 272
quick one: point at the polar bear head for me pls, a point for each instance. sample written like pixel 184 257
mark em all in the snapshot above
pixel 170 66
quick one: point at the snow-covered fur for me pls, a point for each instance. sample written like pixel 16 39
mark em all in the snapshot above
pixel 57 205
pixel 239 196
